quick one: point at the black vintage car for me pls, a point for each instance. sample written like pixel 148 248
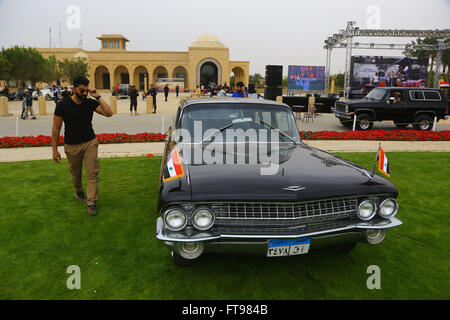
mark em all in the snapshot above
pixel 404 106
pixel 236 178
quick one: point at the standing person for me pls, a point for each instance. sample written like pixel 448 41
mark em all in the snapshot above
pixel 65 94
pixel 80 141
pixel 153 93
pixel 240 91
pixel 198 92
pixel 24 108
pixel 29 103
pixel 376 80
pixel 166 91
pixel 55 92
pixel 177 90
pixel 133 93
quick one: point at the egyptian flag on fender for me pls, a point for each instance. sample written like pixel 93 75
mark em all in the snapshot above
pixel 173 169
pixel 383 163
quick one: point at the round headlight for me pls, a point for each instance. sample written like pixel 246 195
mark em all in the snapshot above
pixel 367 210
pixel 175 219
pixel 203 219
pixel 388 208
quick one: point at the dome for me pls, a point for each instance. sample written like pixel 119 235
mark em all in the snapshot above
pixel 208 40
pixel 81 55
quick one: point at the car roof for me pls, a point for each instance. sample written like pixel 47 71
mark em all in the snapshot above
pixel 228 100
pixel 406 88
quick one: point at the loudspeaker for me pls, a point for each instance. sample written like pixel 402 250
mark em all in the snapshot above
pixel 274 75
pixel 271 93
pixel 251 88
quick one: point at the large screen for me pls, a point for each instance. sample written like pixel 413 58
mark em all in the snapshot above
pixel 377 71
pixel 306 78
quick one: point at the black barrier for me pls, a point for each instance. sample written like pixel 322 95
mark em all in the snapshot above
pixel 328 103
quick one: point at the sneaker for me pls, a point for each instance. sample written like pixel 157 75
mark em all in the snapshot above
pixel 92 210
pixel 80 196
pixel 34 118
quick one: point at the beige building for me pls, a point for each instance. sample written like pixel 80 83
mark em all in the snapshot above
pixel 206 61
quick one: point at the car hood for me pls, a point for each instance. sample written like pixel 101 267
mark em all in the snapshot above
pixel 304 173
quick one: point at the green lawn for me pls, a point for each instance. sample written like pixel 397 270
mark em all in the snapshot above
pixel 43 230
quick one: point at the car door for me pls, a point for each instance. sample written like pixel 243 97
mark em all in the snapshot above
pixel 397 111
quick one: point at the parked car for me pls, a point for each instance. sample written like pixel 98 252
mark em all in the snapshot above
pixel 301 201
pixel 123 91
pixel 416 106
pixel 16 95
pixel 47 93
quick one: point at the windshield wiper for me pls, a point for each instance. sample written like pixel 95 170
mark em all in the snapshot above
pixel 282 133
pixel 212 135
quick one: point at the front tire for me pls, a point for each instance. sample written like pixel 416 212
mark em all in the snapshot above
pixel 423 122
pixel 364 122
pixel 180 261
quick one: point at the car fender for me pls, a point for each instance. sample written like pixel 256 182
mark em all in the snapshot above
pixel 371 111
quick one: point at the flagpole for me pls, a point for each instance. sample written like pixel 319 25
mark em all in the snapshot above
pixel 376 158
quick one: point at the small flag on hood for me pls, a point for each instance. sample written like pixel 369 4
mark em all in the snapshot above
pixel 173 169
pixel 383 163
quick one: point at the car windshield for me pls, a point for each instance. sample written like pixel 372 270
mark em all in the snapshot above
pixel 377 94
pixel 256 120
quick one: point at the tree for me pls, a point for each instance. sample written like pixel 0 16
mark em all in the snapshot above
pixel 5 68
pixel 50 71
pixel 26 64
pixel 338 81
pixel 70 69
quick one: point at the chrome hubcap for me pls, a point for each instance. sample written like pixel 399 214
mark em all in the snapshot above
pixel 424 124
pixel 364 124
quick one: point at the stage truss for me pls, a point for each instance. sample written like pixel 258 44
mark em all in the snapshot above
pixel 345 40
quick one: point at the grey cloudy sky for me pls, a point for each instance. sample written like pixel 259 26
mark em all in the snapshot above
pixel 287 32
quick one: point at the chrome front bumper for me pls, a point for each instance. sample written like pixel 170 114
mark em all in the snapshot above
pixel 257 244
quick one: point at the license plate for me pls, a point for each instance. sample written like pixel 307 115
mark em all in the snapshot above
pixel 288 247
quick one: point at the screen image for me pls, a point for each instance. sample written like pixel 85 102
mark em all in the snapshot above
pixel 378 71
pixel 306 78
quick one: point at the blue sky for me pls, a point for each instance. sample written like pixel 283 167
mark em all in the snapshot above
pixel 261 31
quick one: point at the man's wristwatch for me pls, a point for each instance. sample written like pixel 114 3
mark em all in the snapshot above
pixel 97 98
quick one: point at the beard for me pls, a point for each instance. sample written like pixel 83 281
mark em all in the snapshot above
pixel 82 97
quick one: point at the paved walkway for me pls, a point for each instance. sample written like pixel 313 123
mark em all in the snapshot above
pixel 142 149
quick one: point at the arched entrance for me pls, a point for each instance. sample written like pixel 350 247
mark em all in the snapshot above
pixel 181 73
pixel 209 73
pixel 121 75
pixel 140 76
pixel 102 78
pixel 238 73
pixel 160 72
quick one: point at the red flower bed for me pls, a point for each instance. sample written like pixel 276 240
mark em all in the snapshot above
pixel 374 135
pixel 104 138
pixel 378 135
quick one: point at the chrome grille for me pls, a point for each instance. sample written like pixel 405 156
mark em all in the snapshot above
pixel 293 215
pixel 340 107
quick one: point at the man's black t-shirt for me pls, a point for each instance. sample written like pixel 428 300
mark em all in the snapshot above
pixel 77 120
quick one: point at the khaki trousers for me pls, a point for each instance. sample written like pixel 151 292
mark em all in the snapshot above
pixel 87 152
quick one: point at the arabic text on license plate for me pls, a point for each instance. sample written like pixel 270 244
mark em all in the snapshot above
pixel 288 247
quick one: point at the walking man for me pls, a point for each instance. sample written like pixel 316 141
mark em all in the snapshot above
pixel 166 91
pixel 177 89
pixel 153 93
pixel 80 141
pixel 29 104
pixel 133 100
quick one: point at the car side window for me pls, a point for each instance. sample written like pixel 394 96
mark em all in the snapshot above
pixel 432 95
pixel 416 95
